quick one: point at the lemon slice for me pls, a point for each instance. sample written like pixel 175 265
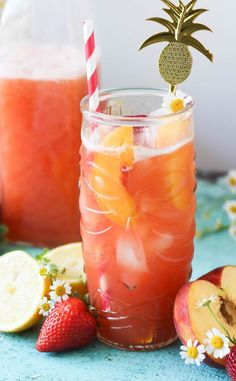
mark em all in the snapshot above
pixel 70 263
pixel 21 288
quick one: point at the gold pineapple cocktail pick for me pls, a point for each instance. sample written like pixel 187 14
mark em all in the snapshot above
pixel 175 62
pixel 2 3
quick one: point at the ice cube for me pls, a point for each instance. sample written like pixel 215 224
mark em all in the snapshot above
pixel 145 136
pixel 130 253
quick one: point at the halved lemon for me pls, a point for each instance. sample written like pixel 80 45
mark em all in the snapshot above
pixel 21 288
pixel 106 177
pixel 69 260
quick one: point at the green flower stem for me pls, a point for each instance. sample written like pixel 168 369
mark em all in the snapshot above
pixel 220 324
pixel 207 231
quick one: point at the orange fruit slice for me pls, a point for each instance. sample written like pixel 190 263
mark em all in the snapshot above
pixel 106 178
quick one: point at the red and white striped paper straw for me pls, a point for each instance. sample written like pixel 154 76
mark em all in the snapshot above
pixel 91 65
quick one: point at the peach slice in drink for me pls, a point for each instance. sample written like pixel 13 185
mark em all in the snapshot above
pixel 106 177
pixel 173 135
pixel 167 183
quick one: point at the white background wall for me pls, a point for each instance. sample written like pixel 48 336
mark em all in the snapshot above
pixel 121 27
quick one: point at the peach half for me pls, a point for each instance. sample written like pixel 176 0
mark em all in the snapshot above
pixel 192 322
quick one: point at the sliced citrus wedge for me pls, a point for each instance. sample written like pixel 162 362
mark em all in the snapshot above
pixel 106 178
pixel 70 263
pixel 21 288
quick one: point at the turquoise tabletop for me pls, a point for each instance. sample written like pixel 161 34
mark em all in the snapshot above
pixel 19 361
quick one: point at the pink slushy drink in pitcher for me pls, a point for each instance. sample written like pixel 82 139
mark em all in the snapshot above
pixel 42 80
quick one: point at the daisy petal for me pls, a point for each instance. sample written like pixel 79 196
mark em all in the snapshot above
pixel 226 351
pixel 209 349
pixel 201 348
pixel 210 334
pixel 189 343
pixel 188 361
pixel 201 357
pixel 216 332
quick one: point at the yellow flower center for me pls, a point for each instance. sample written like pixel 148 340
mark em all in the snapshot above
pixel 217 342
pixel 46 307
pixel 60 290
pixel 233 209
pixel 43 271
pixel 192 352
pixel 232 181
pixel 11 289
pixel 177 105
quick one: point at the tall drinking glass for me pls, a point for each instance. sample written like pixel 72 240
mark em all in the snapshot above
pixel 137 207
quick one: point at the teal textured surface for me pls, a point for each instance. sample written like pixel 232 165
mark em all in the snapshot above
pixel 19 361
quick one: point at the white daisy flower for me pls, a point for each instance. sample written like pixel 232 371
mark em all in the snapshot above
pixel 60 291
pixel 231 180
pixel 213 298
pixel 217 343
pixel 203 302
pixel 192 353
pixel 232 231
pixel 175 103
pixel 45 306
pixel 44 270
pixel 230 208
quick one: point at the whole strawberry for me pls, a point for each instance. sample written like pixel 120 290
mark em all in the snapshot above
pixel 68 326
pixel 231 364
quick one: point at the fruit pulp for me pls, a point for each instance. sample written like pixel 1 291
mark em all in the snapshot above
pixel 137 226
pixel 40 125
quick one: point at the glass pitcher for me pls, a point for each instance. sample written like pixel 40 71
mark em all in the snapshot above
pixel 42 80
